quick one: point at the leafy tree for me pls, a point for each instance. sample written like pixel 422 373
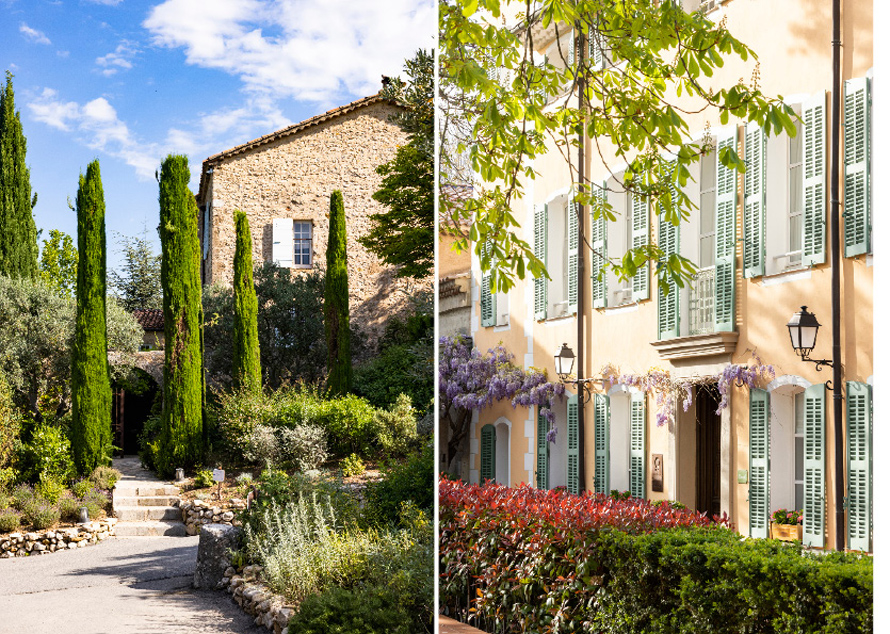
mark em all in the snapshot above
pixel 90 387
pixel 18 238
pixel 290 319
pixel 58 263
pixel 336 302
pixel 471 381
pixel 138 285
pixel 403 235
pixel 37 339
pixel 497 86
pixel 181 440
pixel 246 371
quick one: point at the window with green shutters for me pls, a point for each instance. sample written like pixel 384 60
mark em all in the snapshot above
pixel 640 237
pixel 487 298
pixel 758 463
pixel 601 443
pixel 668 303
pixel 859 466
pixel 857 166
pixel 755 201
pixel 599 239
pixel 638 445
pixel 540 250
pixel 488 454
pixel 573 479
pixel 595 48
pixel 542 471
pixel 814 466
pixel 813 241
pixel 724 257
pixel 572 256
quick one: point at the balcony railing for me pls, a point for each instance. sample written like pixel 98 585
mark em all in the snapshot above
pixel 701 303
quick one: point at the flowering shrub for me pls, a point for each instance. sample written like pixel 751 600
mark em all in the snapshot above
pixel 784 516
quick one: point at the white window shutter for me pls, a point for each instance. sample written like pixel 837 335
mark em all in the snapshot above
pixel 814 466
pixel 540 250
pixel 668 304
pixel 638 445
pixel 600 244
pixel 488 298
pixel 857 169
pixel 283 242
pixel 640 229
pixel 755 200
pixel 813 225
pixel 572 255
pixel 758 463
pixel 724 249
pixel 859 466
pixel 601 443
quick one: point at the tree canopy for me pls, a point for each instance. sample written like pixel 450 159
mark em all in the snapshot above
pixel 58 263
pixel 138 284
pixel 635 72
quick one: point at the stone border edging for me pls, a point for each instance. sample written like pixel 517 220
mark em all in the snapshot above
pixel 255 598
pixel 49 541
pixel 196 513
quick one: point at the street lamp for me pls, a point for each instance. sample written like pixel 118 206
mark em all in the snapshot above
pixel 564 361
pixel 803 329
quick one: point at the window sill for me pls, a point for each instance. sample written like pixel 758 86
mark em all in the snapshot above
pixel 708 345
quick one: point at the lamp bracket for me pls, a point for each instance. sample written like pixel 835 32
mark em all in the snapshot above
pixel 583 384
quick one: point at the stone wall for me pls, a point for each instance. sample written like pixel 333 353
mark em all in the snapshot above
pixel 45 542
pixel 293 176
pixel 196 513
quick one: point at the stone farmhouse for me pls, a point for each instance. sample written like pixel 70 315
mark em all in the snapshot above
pixel 283 182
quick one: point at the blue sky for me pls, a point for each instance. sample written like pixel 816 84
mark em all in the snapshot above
pixel 130 81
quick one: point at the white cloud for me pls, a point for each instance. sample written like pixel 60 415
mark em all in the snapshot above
pixel 38 37
pixel 119 59
pixel 295 48
pixel 107 3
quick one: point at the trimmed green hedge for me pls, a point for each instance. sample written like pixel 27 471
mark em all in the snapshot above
pixel 522 560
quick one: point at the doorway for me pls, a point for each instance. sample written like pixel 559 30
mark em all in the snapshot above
pixel 707 451
pixel 132 403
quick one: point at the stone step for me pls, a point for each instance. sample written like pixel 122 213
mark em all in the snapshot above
pixel 145 513
pixel 150 529
pixel 133 490
pixel 145 500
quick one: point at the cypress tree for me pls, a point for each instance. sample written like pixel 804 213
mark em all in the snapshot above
pixel 18 238
pixel 246 371
pixel 336 301
pixel 181 439
pixel 90 386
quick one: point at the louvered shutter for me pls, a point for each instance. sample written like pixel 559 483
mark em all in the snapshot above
pixel 758 459
pixel 813 225
pixel 814 466
pixel 571 51
pixel 543 462
pixel 668 304
pixel 488 454
pixel 599 234
pixel 857 167
pixel 572 256
pixel 283 241
pixel 488 299
pixel 859 452
pixel 540 249
pixel 640 229
pixel 601 443
pixel 573 480
pixel 724 257
pixel 595 48
pixel 638 445
pixel 755 200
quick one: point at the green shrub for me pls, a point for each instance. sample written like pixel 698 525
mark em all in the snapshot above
pixel 10 520
pixel 10 427
pixel 105 477
pixel 80 487
pixel 40 514
pixel 50 489
pixel 204 478
pixel 69 506
pixel 396 428
pixel 411 480
pixel 352 465
pixel 303 447
pixel 346 611
pixel 349 423
pixel 261 445
pixel 244 479
pixel 47 454
pixel 95 502
pixel 8 475
pixel 22 494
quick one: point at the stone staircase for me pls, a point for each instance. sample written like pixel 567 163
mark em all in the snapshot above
pixel 144 505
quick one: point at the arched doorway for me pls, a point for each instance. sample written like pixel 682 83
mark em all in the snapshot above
pixel 131 405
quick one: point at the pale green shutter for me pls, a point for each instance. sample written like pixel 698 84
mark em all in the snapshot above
pixel 638 445
pixel 572 257
pixel 857 168
pixel 487 298
pixel 668 304
pixel 814 466
pixel 859 452
pixel 640 229
pixel 594 48
pixel 755 200
pixel 540 248
pixel 813 225
pixel 599 234
pixel 487 471
pixel 758 463
pixel 571 51
pixel 543 462
pixel 601 443
pixel 724 257
pixel 573 479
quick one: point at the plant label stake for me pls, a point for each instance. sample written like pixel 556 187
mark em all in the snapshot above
pixel 219 475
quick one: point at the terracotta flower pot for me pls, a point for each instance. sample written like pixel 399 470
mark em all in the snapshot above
pixel 786 532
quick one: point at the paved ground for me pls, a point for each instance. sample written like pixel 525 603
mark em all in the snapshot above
pixel 137 585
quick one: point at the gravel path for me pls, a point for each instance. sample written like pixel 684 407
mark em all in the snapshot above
pixel 139 585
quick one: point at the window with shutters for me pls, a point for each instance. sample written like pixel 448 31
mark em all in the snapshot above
pixel 619 441
pixel 560 228
pixel 302 244
pixel 786 418
pixel 559 449
pixel 619 238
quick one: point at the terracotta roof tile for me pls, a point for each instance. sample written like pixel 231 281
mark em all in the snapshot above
pixel 150 318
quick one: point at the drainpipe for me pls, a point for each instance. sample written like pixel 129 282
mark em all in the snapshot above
pixel 582 486
pixel 838 396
